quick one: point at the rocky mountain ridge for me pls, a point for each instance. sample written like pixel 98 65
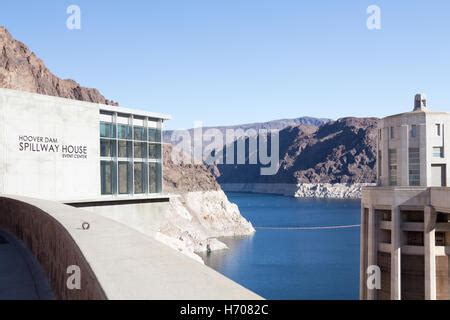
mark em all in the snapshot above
pixel 21 69
pixel 341 151
pixel 276 125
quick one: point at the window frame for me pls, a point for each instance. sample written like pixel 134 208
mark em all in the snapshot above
pixel 139 134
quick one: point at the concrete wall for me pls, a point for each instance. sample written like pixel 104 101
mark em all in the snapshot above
pixel 439 141
pixel 52 245
pixel 27 170
pixel 141 216
pixel 402 141
pixel 418 267
pixel 426 138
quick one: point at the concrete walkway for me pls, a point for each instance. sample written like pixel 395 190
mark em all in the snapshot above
pixel 21 277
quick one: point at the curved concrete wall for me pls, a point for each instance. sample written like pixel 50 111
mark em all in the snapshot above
pixel 116 261
pixel 52 245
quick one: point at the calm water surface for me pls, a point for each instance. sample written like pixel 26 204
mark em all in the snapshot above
pixel 294 264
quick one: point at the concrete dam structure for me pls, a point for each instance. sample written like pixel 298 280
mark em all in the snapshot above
pixel 405 219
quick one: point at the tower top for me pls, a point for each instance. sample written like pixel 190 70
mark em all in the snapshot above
pixel 420 102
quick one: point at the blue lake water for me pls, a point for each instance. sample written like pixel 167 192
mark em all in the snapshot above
pixel 289 263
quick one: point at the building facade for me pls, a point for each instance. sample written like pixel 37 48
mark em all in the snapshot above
pixel 405 228
pixel 103 158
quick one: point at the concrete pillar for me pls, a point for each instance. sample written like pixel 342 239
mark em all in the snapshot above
pixel 396 270
pixel 372 246
pixel 430 253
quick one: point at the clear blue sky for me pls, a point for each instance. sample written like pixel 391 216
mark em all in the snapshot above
pixel 238 61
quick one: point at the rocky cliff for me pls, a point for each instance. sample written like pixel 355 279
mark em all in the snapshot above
pixel 341 151
pixel 337 153
pixel 21 69
pixel 200 212
pixel 270 125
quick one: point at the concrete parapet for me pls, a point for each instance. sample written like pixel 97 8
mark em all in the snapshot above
pixel 116 261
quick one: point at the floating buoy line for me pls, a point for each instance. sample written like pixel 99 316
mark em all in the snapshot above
pixel 310 228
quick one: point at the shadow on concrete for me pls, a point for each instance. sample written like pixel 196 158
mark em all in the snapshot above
pixel 21 276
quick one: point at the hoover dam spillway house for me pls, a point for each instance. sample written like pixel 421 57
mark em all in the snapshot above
pixel 405 219
pixel 67 150
pixel 84 154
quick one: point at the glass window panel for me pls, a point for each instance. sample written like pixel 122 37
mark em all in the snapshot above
pixel 107 130
pixel 125 149
pixel 107 148
pixel 124 178
pixel 414 166
pixel 140 177
pixel 154 135
pixel 139 134
pixel 124 132
pixel 413 131
pixel 392 159
pixel 154 151
pixel 107 177
pixel 140 150
pixel 155 180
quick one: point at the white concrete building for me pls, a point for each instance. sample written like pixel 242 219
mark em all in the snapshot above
pixel 104 158
pixel 405 227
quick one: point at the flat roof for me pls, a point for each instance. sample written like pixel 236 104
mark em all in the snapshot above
pixel 136 112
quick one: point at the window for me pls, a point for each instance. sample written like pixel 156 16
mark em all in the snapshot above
pixel 140 150
pixel 107 130
pixel 107 177
pixel 379 134
pixel 438 152
pixel 140 177
pixel 125 149
pixel 413 131
pixel 107 148
pixel 392 135
pixel 154 151
pixel 131 155
pixel 155 173
pixel 124 131
pixel 124 178
pixel 154 135
pixel 392 158
pixel 414 167
pixel 438 129
pixel 139 134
